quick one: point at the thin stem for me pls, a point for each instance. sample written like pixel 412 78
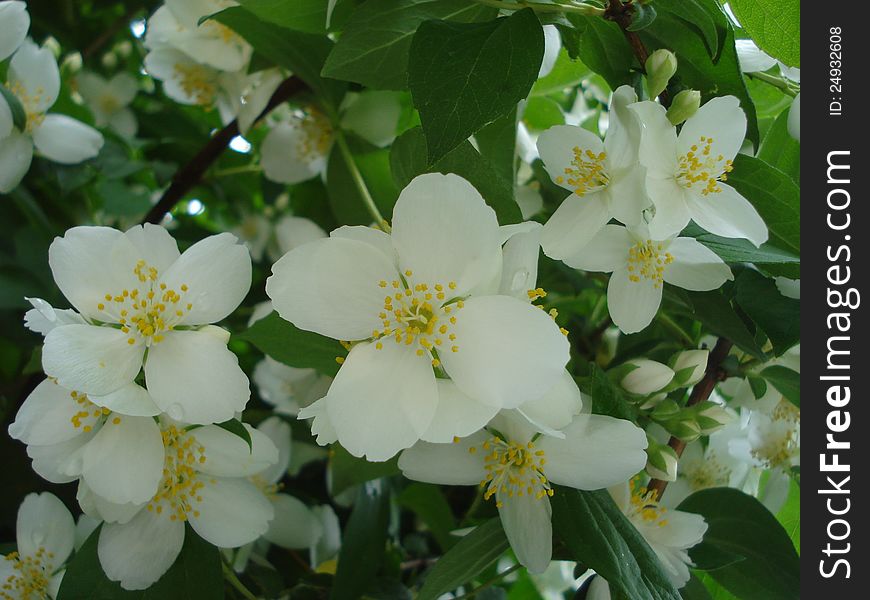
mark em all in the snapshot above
pixel 777 82
pixel 233 580
pixel 489 583
pixel 577 9
pixel 360 182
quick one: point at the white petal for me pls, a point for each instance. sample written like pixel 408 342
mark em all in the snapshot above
pixel 93 360
pixel 45 523
pixel 509 352
pixel 606 252
pixel 139 552
pixel 194 377
pixel 132 399
pixel 751 58
pixel 35 70
pixel 557 408
pixel 16 152
pixel 374 116
pixel 526 522
pixel 794 118
pixel 447 464
pixel 556 147
pixel 293 231
pixel 14 23
pixel 171 66
pixel 576 222
pixel 97 507
pixel 124 123
pixel 658 141
pixel 228 455
pixel 53 462
pixel 124 461
pixel 671 209
pixel 632 304
pixel 46 416
pixel 598 451
pixel 382 400
pixel 6 123
pixel 330 541
pixel 255 99
pixel 67 141
pixel 281 155
pixel 444 231
pixel 281 435
pixel 294 525
pixel 124 87
pixel 722 119
pixel 321 427
pixel 85 526
pixel 154 245
pixel 695 266
pixel 217 273
pixel 623 130
pixel 728 214
pixel 331 287
pixel 457 415
pixel 628 195
pixel 375 237
pixel 519 272
pixel 599 589
pixel 232 512
pixel 43 317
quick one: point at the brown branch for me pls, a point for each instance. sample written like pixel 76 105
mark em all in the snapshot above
pixel 702 390
pixel 189 175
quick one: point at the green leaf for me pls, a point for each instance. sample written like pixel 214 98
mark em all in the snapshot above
pixel 302 15
pixel 786 382
pixel 464 76
pixel 717 314
pixel 541 113
pixel 407 159
pixel 695 590
pixel 775 315
pixel 373 48
pixel 302 53
pixel 345 199
pixel 348 470
pixel 427 502
pixel 566 73
pixel 601 46
pixel 607 397
pixel 292 346
pixel 471 555
pixel 740 524
pixel 774 195
pixel 236 427
pixel 703 15
pixel 600 537
pixel 644 15
pixel 775 25
pixel 780 150
pixel 196 574
pixel 757 385
pixel 363 542
pixel 497 143
pixel 735 250
pixel 790 514
pixel 19 117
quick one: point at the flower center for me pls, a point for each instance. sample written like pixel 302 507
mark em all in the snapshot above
pixel 645 507
pixel 647 260
pixel 707 473
pixel 780 442
pixel 108 104
pixel 699 166
pixel 416 313
pixel 316 135
pixel 179 489
pixel 30 104
pixel 197 82
pixel 586 173
pixel 146 313
pixel 30 577
pixel 513 469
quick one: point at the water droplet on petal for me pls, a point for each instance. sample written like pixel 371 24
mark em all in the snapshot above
pixel 176 412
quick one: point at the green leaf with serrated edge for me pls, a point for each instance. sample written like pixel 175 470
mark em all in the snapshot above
pixel 775 25
pixel 302 53
pixel 237 428
pixel 19 117
pixel 705 16
pixel 196 573
pixel 463 76
pixel 600 537
pixel 373 48
pixel 348 470
pixel 602 46
pixel 292 346
pixel 786 382
pixel 408 159
pixel 471 555
pixel 736 522
pixel 428 503
pixel 566 73
pixel 780 150
pixel 776 315
pixel 302 15
pixel 363 542
pixel 695 68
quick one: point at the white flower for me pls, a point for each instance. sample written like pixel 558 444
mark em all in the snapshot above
pixel 686 173
pixel 45 533
pixel 647 377
pixel 109 100
pixel 418 300
pixel 255 231
pixel 146 306
pixel 552 46
pixel 794 118
pixel 639 266
pixel 14 23
pixel 292 231
pixel 296 149
pixel 702 468
pixel 605 178
pixel 518 469
pixel 694 359
pixel 35 81
pixel 203 482
pixel 373 115
pixel 288 389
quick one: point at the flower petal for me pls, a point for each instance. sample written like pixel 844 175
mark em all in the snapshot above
pixel 46 416
pixel 519 271
pixel 293 231
pixel 281 155
pixel 598 451
pixel 671 209
pixel 632 304
pixel 330 286
pixel 382 400
pixel 623 130
pixel 65 140
pixel 557 408
pixel 728 214
pixel 45 523
pixel 377 238
pixel 14 23
pixel 658 140
pixel 447 464
pixel 574 224
pixel 97 507
pixel 457 415
pixel 294 525
pixel 443 231
pixel 526 522
pixel 281 435
pixel 721 119
pixel 54 463
pixel 154 245
pixel 508 351
pixel 90 359
pixel 124 461
pixel 695 266
pixel 194 377
pixel 34 69
pixel 556 147
pixel 232 512
pixel 628 195
pixel 321 427
pixel 228 455
pixel 16 152
pixel 606 252
pixel 132 400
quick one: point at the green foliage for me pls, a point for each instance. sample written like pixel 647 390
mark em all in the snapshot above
pixel 348 470
pixel 775 315
pixel 428 503
pixel 786 382
pixel 775 25
pixel 602 47
pixel 236 428
pixel 780 150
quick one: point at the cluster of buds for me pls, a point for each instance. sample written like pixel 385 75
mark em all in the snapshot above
pixel 653 380
pixel 661 460
pixel 688 423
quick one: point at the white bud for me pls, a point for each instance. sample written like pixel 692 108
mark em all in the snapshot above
pixel 647 377
pixel 684 105
pixel 694 359
pixel 662 463
pixel 712 417
pixel 660 67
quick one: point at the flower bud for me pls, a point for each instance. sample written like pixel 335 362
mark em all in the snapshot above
pixel 109 60
pixel 662 462
pixel 660 67
pixel 653 401
pixel 647 377
pixel 689 367
pixel 666 410
pixel 684 105
pixel 685 428
pixel 711 417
